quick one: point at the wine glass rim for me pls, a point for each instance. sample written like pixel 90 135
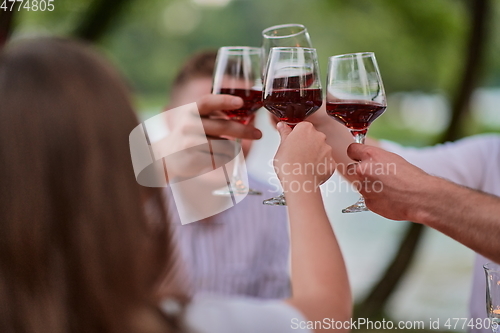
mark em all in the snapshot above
pixel 293 48
pixel 492 266
pixel 280 26
pixel 350 55
pixel 235 49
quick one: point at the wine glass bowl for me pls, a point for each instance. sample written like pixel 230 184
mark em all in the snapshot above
pixel 355 97
pixel 252 101
pixel 237 73
pixel 355 115
pixel 292 88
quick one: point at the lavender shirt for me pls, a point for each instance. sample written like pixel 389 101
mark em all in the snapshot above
pixel 242 251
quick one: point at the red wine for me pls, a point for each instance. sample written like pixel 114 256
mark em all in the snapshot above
pixel 293 105
pixel 355 115
pixel 294 82
pixel 252 101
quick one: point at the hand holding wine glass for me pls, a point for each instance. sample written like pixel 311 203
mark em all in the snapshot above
pixel 306 147
pixel 237 72
pixel 355 97
pixel 292 89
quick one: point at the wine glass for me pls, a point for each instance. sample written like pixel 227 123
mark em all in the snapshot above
pixel 292 89
pixel 237 72
pixel 284 35
pixel 492 271
pixel 355 97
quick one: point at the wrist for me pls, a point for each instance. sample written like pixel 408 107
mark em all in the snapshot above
pixel 433 195
pixel 295 184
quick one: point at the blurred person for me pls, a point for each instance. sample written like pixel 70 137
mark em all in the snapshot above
pixel 473 162
pixel 194 80
pixel 83 246
pixel 243 250
pixel 76 251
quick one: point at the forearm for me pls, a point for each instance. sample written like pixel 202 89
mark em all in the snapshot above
pixel 468 216
pixel 320 285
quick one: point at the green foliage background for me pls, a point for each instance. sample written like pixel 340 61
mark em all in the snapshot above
pixel 419 43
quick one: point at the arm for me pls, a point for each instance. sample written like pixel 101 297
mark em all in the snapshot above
pixel 338 137
pixel 320 285
pixel 404 192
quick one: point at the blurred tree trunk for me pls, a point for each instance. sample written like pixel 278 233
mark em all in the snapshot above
pixel 6 19
pixel 472 69
pixel 99 18
pixel 374 304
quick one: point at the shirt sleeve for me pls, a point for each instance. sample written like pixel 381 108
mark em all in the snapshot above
pixel 466 162
pixel 215 314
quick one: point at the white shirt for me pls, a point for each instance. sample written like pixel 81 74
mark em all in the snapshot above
pixel 216 314
pixel 473 162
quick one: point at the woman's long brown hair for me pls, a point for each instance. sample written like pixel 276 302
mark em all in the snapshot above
pixel 76 251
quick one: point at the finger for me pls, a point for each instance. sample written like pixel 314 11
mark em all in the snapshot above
pixel 251 120
pixel 358 152
pixel 210 103
pixel 284 130
pixel 211 137
pixel 305 126
pixel 351 169
pixel 218 114
pixel 222 127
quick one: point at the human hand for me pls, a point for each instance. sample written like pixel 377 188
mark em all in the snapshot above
pixel 194 148
pixel 303 156
pixel 337 136
pixel 210 105
pixel 391 186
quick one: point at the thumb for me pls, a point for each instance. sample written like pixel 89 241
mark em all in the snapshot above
pixel 358 152
pixel 284 130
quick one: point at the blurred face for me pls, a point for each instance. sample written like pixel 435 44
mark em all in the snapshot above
pixel 193 90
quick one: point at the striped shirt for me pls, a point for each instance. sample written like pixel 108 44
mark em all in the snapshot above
pixel 241 251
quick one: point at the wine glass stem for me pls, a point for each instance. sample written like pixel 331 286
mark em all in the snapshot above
pixel 236 178
pixel 359 136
